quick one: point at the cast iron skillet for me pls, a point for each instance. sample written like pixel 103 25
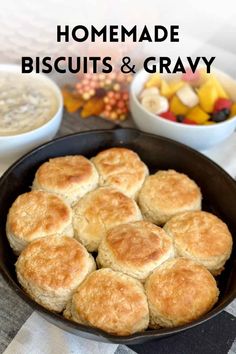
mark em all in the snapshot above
pixel 218 189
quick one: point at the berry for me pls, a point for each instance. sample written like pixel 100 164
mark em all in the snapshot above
pixel 226 112
pixel 189 121
pixel 168 115
pixel 116 87
pixel 110 94
pixel 180 118
pixel 116 105
pixel 218 117
pixel 86 96
pixel 121 104
pixel 222 103
pixel 111 88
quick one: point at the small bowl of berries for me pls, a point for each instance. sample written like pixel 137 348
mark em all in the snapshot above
pixel 197 109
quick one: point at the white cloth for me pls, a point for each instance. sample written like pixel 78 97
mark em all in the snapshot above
pixel 37 336
pixel 224 154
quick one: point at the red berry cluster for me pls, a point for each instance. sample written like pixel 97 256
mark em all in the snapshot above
pixel 113 88
pixel 87 86
pixel 116 105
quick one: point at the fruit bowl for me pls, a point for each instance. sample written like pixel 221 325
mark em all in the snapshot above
pixel 199 137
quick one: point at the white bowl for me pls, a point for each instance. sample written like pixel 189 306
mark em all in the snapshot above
pixel 12 147
pixel 199 137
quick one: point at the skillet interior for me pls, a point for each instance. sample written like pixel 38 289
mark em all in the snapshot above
pixel 219 197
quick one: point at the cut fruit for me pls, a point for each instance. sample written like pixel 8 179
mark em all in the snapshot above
pixel 191 77
pixel 153 81
pixel 175 86
pixel 177 107
pixel 165 89
pixel 222 103
pixel 149 91
pixel 155 104
pixel 189 121
pixel 187 96
pixel 151 103
pixel 169 116
pixel 163 105
pixel 208 95
pixel 197 115
pixel 233 110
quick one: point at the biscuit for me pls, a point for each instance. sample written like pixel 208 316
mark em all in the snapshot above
pixel 179 291
pixel 167 193
pixel 70 177
pixel 51 268
pixel 135 249
pixel 99 211
pixel 121 168
pixel 202 237
pixel 110 301
pixel 34 215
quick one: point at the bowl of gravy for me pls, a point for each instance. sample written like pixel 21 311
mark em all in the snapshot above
pixel 31 107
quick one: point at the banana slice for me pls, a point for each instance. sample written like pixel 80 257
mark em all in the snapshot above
pixel 187 96
pixel 155 104
pixel 149 91
pixel 163 105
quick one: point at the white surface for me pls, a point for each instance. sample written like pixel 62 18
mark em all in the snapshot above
pixel 38 336
pixel 197 136
pixel 224 154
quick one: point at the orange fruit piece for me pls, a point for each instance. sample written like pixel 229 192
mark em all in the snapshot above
pixel 72 102
pixel 177 107
pixel 94 106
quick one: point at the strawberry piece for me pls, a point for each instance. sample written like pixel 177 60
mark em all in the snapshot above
pixel 222 103
pixel 169 115
pixel 189 121
pixel 190 76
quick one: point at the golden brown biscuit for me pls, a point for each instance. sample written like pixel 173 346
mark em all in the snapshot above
pixel 178 292
pixel 202 237
pixel 99 211
pixel 135 249
pixel 121 168
pixel 70 177
pixel 111 301
pixel 51 268
pixel 167 193
pixel 37 214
